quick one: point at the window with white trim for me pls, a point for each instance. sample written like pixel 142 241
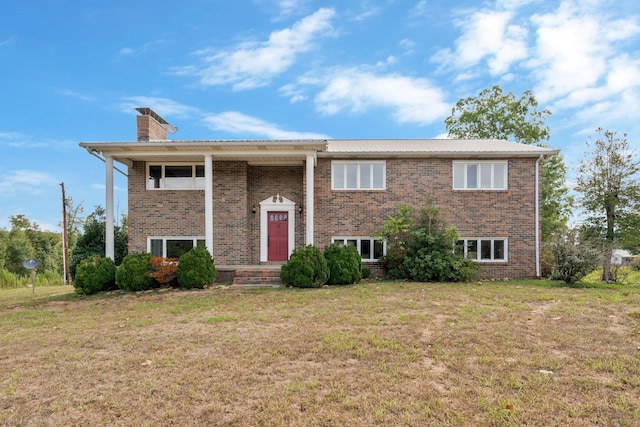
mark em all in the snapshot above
pixel 354 175
pixel 480 175
pixel 370 249
pixel 175 176
pixel 483 249
pixel 173 247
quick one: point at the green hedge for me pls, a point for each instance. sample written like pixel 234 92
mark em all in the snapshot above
pixel 306 268
pixel 345 264
pixel 196 269
pixel 133 273
pixel 95 274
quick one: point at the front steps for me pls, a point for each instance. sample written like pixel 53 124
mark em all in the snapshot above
pixel 250 278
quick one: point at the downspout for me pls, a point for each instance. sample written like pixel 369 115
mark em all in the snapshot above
pixel 537 214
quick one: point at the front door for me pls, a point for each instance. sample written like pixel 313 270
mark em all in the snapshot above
pixel 278 236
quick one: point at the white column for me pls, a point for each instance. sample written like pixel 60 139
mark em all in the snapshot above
pixel 309 208
pixel 109 247
pixel 208 202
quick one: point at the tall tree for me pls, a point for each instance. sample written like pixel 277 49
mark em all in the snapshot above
pixel 92 240
pixel 607 182
pixel 495 115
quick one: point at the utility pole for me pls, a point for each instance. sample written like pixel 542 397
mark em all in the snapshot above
pixel 65 239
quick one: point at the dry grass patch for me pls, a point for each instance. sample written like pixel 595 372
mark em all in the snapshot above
pixel 370 354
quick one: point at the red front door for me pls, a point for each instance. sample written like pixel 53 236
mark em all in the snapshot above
pixel 278 236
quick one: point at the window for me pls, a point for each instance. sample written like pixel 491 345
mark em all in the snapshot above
pixel 369 249
pixel 173 247
pixel 358 175
pixel 483 249
pixel 175 177
pixel 480 175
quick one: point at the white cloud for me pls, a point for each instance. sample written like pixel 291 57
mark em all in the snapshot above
pixel 241 124
pixel 412 100
pixel 23 182
pixel 419 10
pixel 577 54
pixel 253 64
pixel 488 35
pixel 163 106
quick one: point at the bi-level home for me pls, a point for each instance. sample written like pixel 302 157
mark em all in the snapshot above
pixel 252 202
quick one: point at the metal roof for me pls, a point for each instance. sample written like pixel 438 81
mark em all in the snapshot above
pixel 288 151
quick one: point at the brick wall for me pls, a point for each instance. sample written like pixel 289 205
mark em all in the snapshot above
pixel 238 187
pixel 508 214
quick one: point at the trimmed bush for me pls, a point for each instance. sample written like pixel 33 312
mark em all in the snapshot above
pixel 366 272
pixel 306 268
pixel 95 274
pixel 196 269
pixel 133 274
pixel 345 264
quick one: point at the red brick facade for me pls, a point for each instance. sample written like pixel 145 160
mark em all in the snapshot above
pixel 239 187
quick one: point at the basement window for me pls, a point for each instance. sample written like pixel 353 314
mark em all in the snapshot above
pixel 173 247
pixel 370 249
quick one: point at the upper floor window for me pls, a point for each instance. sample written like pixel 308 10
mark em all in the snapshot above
pixel 353 175
pixel 175 176
pixel 480 175
pixel 370 249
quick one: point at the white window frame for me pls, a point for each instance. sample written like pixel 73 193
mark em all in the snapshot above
pixel 344 239
pixel 479 240
pixel 194 240
pixel 480 165
pixel 188 183
pixel 345 164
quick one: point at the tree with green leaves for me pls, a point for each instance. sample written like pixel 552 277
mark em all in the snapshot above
pixel 495 115
pixel 607 182
pixel 92 240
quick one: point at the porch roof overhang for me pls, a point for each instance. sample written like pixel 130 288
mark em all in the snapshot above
pixel 259 152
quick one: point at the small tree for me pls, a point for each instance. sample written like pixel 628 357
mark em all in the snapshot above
pixel 609 192
pixel 573 258
pixel 424 250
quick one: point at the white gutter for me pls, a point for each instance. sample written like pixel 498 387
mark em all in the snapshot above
pixel 537 214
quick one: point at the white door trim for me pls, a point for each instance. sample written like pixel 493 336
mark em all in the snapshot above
pixel 281 204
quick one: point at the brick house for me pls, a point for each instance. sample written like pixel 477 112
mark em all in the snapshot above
pixel 252 202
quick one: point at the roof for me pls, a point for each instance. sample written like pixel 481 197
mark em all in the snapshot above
pixel 435 147
pixel 295 151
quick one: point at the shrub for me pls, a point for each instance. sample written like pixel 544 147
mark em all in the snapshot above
pixel 196 269
pixel 366 272
pixel 420 247
pixel 95 274
pixel 133 274
pixel 164 270
pixel 306 268
pixel 572 260
pixel 345 264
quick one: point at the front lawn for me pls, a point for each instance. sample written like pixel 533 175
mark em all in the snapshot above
pixel 378 353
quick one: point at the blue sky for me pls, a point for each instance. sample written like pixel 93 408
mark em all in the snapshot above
pixel 73 71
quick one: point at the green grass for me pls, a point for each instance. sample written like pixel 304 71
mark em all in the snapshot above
pixel 378 353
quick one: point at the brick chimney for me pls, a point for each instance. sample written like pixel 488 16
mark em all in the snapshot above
pixel 151 127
